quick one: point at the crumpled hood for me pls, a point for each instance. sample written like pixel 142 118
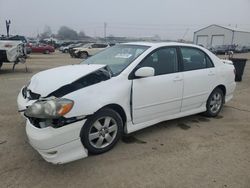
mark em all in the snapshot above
pixel 46 82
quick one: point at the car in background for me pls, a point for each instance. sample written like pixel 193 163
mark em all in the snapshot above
pixel 23 39
pixel 89 49
pixel 222 49
pixel 12 51
pixel 28 49
pixel 86 108
pixel 241 49
pixel 65 49
pixel 42 48
pixel 18 38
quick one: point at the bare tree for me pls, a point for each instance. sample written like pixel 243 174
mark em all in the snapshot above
pixel 67 33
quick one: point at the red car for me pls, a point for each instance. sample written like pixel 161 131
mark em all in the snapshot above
pixel 42 48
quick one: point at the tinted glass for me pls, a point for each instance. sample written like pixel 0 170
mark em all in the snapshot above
pixel 209 62
pixel 194 59
pixel 164 61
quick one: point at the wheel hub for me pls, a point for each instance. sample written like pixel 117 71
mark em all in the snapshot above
pixel 216 102
pixel 103 132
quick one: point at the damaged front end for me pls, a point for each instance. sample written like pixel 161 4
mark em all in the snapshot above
pixel 51 109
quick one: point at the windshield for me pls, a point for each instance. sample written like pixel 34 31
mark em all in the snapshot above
pixel 117 57
pixel 86 45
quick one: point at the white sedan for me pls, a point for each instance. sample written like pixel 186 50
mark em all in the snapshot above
pixel 74 110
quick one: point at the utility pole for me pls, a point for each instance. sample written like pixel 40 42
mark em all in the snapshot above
pixel 105 28
pixel 8 27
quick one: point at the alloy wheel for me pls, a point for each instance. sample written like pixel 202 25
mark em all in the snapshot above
pixel 102 132
pixel 216 102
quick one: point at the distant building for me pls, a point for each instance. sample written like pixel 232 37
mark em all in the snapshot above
pixel 214 35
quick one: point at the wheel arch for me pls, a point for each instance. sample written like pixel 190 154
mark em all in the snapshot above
pixel 223 89
pixel 118 109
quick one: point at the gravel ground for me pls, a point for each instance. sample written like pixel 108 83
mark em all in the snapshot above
pixel 189 152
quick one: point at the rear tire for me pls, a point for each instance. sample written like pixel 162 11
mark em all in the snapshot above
pixel 214 103
pixel 101 131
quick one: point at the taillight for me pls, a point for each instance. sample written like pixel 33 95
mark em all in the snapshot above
pixel 8 45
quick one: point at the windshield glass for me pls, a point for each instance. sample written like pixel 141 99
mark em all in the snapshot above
pixel 86 45
pixel 117 57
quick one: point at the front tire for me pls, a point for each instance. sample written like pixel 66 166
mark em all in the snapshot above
pixel 101 131
pixel 214 103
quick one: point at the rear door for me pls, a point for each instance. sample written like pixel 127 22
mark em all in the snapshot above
pixel 160 95
pixel 199 77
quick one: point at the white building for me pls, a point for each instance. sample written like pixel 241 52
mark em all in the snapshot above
pixel 218 35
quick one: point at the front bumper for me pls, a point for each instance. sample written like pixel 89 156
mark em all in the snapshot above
pixel 56 145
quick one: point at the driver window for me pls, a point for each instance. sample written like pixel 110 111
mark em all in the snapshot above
pixel 164 61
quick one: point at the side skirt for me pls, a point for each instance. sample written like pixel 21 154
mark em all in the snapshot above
pixel 135 127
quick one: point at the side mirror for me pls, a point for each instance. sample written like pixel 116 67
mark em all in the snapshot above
pixel 145 72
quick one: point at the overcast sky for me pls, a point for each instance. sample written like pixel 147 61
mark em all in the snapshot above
pixel 170 19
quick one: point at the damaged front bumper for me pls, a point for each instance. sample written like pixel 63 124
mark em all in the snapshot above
pixel 59 145
pixel 56 145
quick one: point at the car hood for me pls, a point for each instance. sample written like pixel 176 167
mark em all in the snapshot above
pixel 45 82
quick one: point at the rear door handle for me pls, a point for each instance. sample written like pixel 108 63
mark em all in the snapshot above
pixel 178 78
pixel 211 73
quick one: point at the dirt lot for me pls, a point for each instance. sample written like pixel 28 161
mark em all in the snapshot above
pixel 188 152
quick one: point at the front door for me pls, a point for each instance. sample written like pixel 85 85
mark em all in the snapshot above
pixel 160 95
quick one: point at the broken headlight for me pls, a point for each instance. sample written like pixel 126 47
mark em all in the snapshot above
pixel 49 109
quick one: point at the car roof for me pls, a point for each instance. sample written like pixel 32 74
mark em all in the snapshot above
pixel 161 44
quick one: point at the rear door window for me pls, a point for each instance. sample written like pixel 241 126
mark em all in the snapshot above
pixel 194 59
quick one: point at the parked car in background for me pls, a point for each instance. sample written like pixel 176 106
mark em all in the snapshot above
pixel 28 49
pixel 65 49
pixel 241 49
pixel 21 38
pixel 222 49
pixel 18 38
pixel 42 48
pixel 89 49
pixel 12 51
pixel 61 48
pixel 86 108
